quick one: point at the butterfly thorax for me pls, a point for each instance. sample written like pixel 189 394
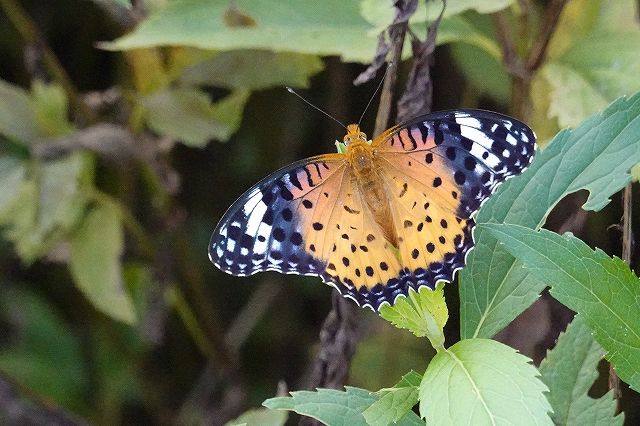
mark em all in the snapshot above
pixel 366 174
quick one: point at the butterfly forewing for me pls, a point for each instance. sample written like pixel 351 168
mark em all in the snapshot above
pixel 442 167
pixel 309 219
pixel 265 229
pixel 475 149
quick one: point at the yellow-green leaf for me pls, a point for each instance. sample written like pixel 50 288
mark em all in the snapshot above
pixel 95 263
pixel 483 382
pixel 424 313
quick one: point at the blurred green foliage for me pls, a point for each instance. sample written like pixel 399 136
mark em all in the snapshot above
pixel 110 308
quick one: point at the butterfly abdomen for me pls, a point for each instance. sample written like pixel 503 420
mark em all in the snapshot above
pixel 369 183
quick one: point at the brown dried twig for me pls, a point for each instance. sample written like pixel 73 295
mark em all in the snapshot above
pixel 627 248
pixel 397 33
pixel 524 68
pixel 418 93
pixel 338 339
pixel 538 51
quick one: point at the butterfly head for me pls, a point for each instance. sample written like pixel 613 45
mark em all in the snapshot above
pixel 354 134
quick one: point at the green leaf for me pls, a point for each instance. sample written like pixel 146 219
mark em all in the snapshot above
pixel 48 206
pixel 334 407
pixel 459 28
pixel 635 172
pixel 612 71
pixel 228 113
pixel 569 371
pixel 411 379
pixel 484 72
pixel 331 27
pixel 12 173
pixel 601 289
pixel 424 313
pixel 189 116
pixel 481 381
pixel 596 156
pixel 572 97
pixel 253 70
pixel 138 278
pixel 123 3
pixel 17 117
pixel 51 108
pixel 326 28
pixel 61 184
pixel 615 16
pixel 395 402
pixel 95 265
pixel 578 19
pixel 260 417
pixel 581 82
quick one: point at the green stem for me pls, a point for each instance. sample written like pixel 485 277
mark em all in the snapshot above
pixel 190 321
pixel 161 199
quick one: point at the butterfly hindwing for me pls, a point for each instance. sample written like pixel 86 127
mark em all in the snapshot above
pixel 433 239
pixel 360 262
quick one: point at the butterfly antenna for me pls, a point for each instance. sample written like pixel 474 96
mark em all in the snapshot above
pixel 376 92
pixel 290 90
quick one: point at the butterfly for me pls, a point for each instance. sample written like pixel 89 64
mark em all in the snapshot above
pixel 380 216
